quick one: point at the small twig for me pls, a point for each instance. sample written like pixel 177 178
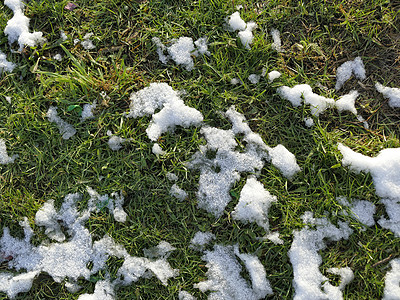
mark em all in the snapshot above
pixel 383 261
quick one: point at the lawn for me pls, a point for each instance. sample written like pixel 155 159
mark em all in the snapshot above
pixel 317 37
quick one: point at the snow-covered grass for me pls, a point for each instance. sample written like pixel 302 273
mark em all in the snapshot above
pixel 253 146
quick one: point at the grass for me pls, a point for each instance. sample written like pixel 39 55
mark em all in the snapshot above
pixel 317 37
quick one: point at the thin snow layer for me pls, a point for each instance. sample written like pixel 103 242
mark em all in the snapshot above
pixel 115 142
pixel 224 279
pixel 103 290
pixel 363 211
pixel 276 37
pixel 77 252
pixel 201 239
pixel 344 72
pixel 392 281
pixel 309 282
pixel 5 65
pixel 273 75
pixel 181 51
pixel 66 129
pixel 4 158
pixel 174 112
pixel 384 169
pixel 393 210
pixel 172 176
pixel 87 112
pixel 178 193
pixel 254 203
pixel 17 28
pixel 284 160
pixel 393 94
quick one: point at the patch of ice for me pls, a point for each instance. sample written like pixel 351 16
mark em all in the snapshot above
pixel 309 283
pixel 201 239
pixel 392 281
pixel 344 72
pixel 66 129
pixel 115 142
pixel 4 158
pixel 393 94
pixel 273 75
pixel 284 160
pixel 178 193
pixel 276 37
pixel 5 65
pixel 17 28
pixel 87 112
pixel 254 78
pixel 254 203
pixel 224 279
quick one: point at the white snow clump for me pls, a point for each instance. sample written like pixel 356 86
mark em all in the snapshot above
pixel 157 150
pixel 66 129
pixel 5 65
pixel 183 295
pixel 309 283
pixel 273 75
pixel 103 290
pixel 245 34
pixel 162 250
pixel 363 211
pixel 171 176
pixel 276 37
pixel 224 279
pixel 4 158
pixel 344 72
pixel 284 160
pixel 393 94
pixel 87 112
pixel 346 102
pixel 174 112
pixel 178 193
pixel 115 142
pixel 392 281
pixel 87 43
pixel 17 28
pixel 309 122
pixel 254 78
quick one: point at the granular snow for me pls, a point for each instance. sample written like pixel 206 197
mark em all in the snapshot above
pixel 284 160
pixel 201 239
pixel 309 122
pixel 363 211
pixel 12 284
pixel 178 193
pixel 273 75
pixel 276 37
pixel 103 290
pixel 4 158
pixel 157 150
pixel 66 129
pixel 235 22
pixel 393 94
pixel 309 283
pixel 346 102
pixel 344 72
pixel 87 43
pixel 87 112
pixel 5 65
pixel 224 278
pixel 254 203
pixel 392 281
pixel 254 78
pixel 115 142
pixel 202 46
pixel 17 28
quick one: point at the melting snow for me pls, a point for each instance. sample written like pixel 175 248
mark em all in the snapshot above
pixel 363 211
pixel 273 75
pixel 178 193
pixel 344 72
pixel 183 295
pixel 87 43
pixel 4 158
pixel 5 65
pixel 276 37
pixel 392 281
pixel 393 94
pixel 245 34
pixel 309 122
pixel 254 78
pixel 115 142
pixel 87 112
pixel 201 239
pixel 66 129
pixel 157 150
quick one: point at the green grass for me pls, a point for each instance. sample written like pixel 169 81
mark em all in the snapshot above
pixel 317 37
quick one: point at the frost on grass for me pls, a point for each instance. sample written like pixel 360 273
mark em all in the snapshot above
pixel 69 258
pixel 224 278
pixel 361 210
pixel 4 158
pixel 201 239
pixel 115 142
pixel 393 94
pixel 5 65
pixel 66 129
pixel 254 203
pixel 181 51
pixel 392 281
pixel 277 43
pixel 173 111
pixel 87 112
pixel 385 172
pixel 178 193
pixel 344 72
pixel 309 282
pixel 17 28
pixel 235 23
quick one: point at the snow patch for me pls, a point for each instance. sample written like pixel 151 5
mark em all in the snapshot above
pixel 66 129
pixel 393 94
pixel 5 65
pixel 4 158
pixel 344 72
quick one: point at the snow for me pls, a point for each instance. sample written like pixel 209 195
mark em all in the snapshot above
pixel 309 122
pixel 57 57
pixel 17 28
pixel 254 203
pixel 8 99
pixel 103 290
pixel 224 279
pixel 201 239
pixel 202 46
pixel 235 81
pixel 13 285
pixel 309 282
pixel 157 150
pixel 66 129
pixel 115 142
pixel 5 65
pixel 63 36
pixel 344 72
pixel 273 75
pixel 284 160
pixel 172 176
pixel 4 158
pixel 346 102
pixel 87 112
pixel 363 211
pixel 183 295
pixel 173 113
pixel 392 281
pixel 178 193
pixel 274 237
pixel 393 94
pixel 162 250
pixel 236 23
pixel 254 78
pixel 276 37
pixel 393 210
pixel 87 43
